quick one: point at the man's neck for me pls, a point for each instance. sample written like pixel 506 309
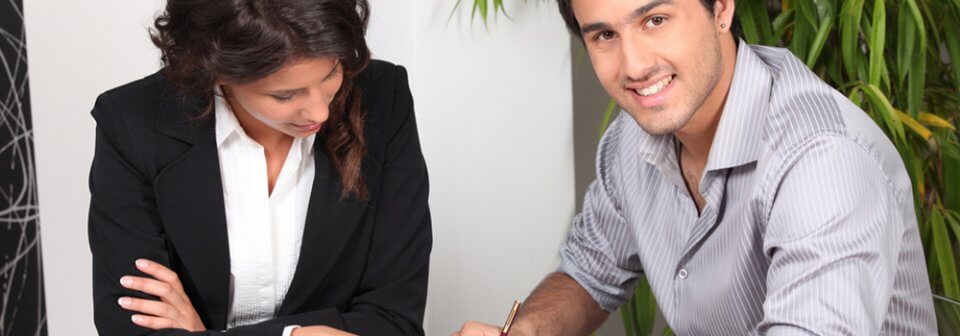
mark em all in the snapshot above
pixel 697 136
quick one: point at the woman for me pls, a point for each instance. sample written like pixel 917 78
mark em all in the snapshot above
pixel 267 181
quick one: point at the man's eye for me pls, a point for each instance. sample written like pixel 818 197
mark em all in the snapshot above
pixel 605 36
pixel 655 22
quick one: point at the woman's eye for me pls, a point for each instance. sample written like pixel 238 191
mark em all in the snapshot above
pixel 283 99
pixel 655 22
pixel 333 74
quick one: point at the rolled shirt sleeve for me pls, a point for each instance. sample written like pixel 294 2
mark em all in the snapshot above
pixel 598 253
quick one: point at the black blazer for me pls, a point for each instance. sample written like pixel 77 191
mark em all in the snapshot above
pixel 156 193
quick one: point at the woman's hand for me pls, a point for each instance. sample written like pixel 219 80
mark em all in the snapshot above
pixel 174 309
pixel 319 331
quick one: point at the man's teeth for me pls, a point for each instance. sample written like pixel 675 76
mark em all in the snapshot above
pixel 655 88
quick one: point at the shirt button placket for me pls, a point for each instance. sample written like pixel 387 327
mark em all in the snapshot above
pixel 678 294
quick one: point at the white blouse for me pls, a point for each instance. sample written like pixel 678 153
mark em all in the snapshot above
pixel 264 230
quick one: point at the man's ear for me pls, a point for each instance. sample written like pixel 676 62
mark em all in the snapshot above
pixel 723 14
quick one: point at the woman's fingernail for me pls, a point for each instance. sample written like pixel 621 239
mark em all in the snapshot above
pixel 123 301
pixel 141 263
pixel 136 318
pixel 126 281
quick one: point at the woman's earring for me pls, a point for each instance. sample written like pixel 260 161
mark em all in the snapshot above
pixel 723 26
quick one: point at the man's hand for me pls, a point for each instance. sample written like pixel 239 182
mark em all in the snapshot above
pixel 558 306
pixel 474 328
pixel 319 331
pixel 174 309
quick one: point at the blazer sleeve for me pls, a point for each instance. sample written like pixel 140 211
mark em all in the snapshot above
pixel 393 290
pixel 123 222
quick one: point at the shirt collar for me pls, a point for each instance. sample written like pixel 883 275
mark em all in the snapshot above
pixel 653 148
pixel 228 126
pixel 738 138
pixel 226 122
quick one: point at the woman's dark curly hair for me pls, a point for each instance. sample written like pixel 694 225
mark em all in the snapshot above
pixel 241 41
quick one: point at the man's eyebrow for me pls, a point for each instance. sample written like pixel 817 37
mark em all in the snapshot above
pixel 637 13
pixel 643 10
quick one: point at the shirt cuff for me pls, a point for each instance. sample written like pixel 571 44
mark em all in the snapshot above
pixel 289 329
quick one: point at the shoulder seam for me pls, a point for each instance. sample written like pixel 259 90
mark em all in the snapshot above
pixel 794 155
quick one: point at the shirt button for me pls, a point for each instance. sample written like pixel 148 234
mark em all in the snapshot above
pixel 682 274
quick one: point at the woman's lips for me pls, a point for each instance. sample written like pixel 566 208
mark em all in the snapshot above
pixel 308 127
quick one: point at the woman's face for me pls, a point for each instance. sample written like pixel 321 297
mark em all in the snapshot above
pixel 294 101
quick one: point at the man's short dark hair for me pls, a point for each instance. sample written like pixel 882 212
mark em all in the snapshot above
pixel 566 10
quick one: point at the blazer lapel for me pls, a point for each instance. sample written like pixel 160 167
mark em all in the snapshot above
pixel 329 224
pixel 190 200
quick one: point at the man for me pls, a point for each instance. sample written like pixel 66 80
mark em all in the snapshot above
pixel 755 198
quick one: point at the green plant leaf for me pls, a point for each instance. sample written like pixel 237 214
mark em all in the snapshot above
pixel 951 174
pixel 645 307
pixel 953 222
pixel 933 21
pixel 850 16
pixel 882 106
pixel 914 125
pixel 499 7
pixel 748 25
pixel 876 41
pixel 629 318
pixel 780 24
pixel 607 116
pixel 804 27
pixel 934 120
pixel 855 96
pixel 808 11
pixel 918 67
pixel 455 6
pixel 914 167
pixel 480 6
pixel 823 31
pixel 755 22
pixel 950 151
pixel 906 41
pixel 945 258
pixel 952 42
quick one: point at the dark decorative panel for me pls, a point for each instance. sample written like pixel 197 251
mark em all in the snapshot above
pixel 21 279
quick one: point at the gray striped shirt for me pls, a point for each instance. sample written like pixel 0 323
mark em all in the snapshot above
pixel 809 226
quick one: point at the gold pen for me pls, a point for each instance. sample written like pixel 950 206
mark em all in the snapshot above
pixel 510 318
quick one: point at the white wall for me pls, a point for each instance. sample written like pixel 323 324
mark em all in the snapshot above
pixel 494 111
pixel 76 50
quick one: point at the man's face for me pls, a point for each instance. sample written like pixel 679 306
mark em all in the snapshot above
pixel 659 59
